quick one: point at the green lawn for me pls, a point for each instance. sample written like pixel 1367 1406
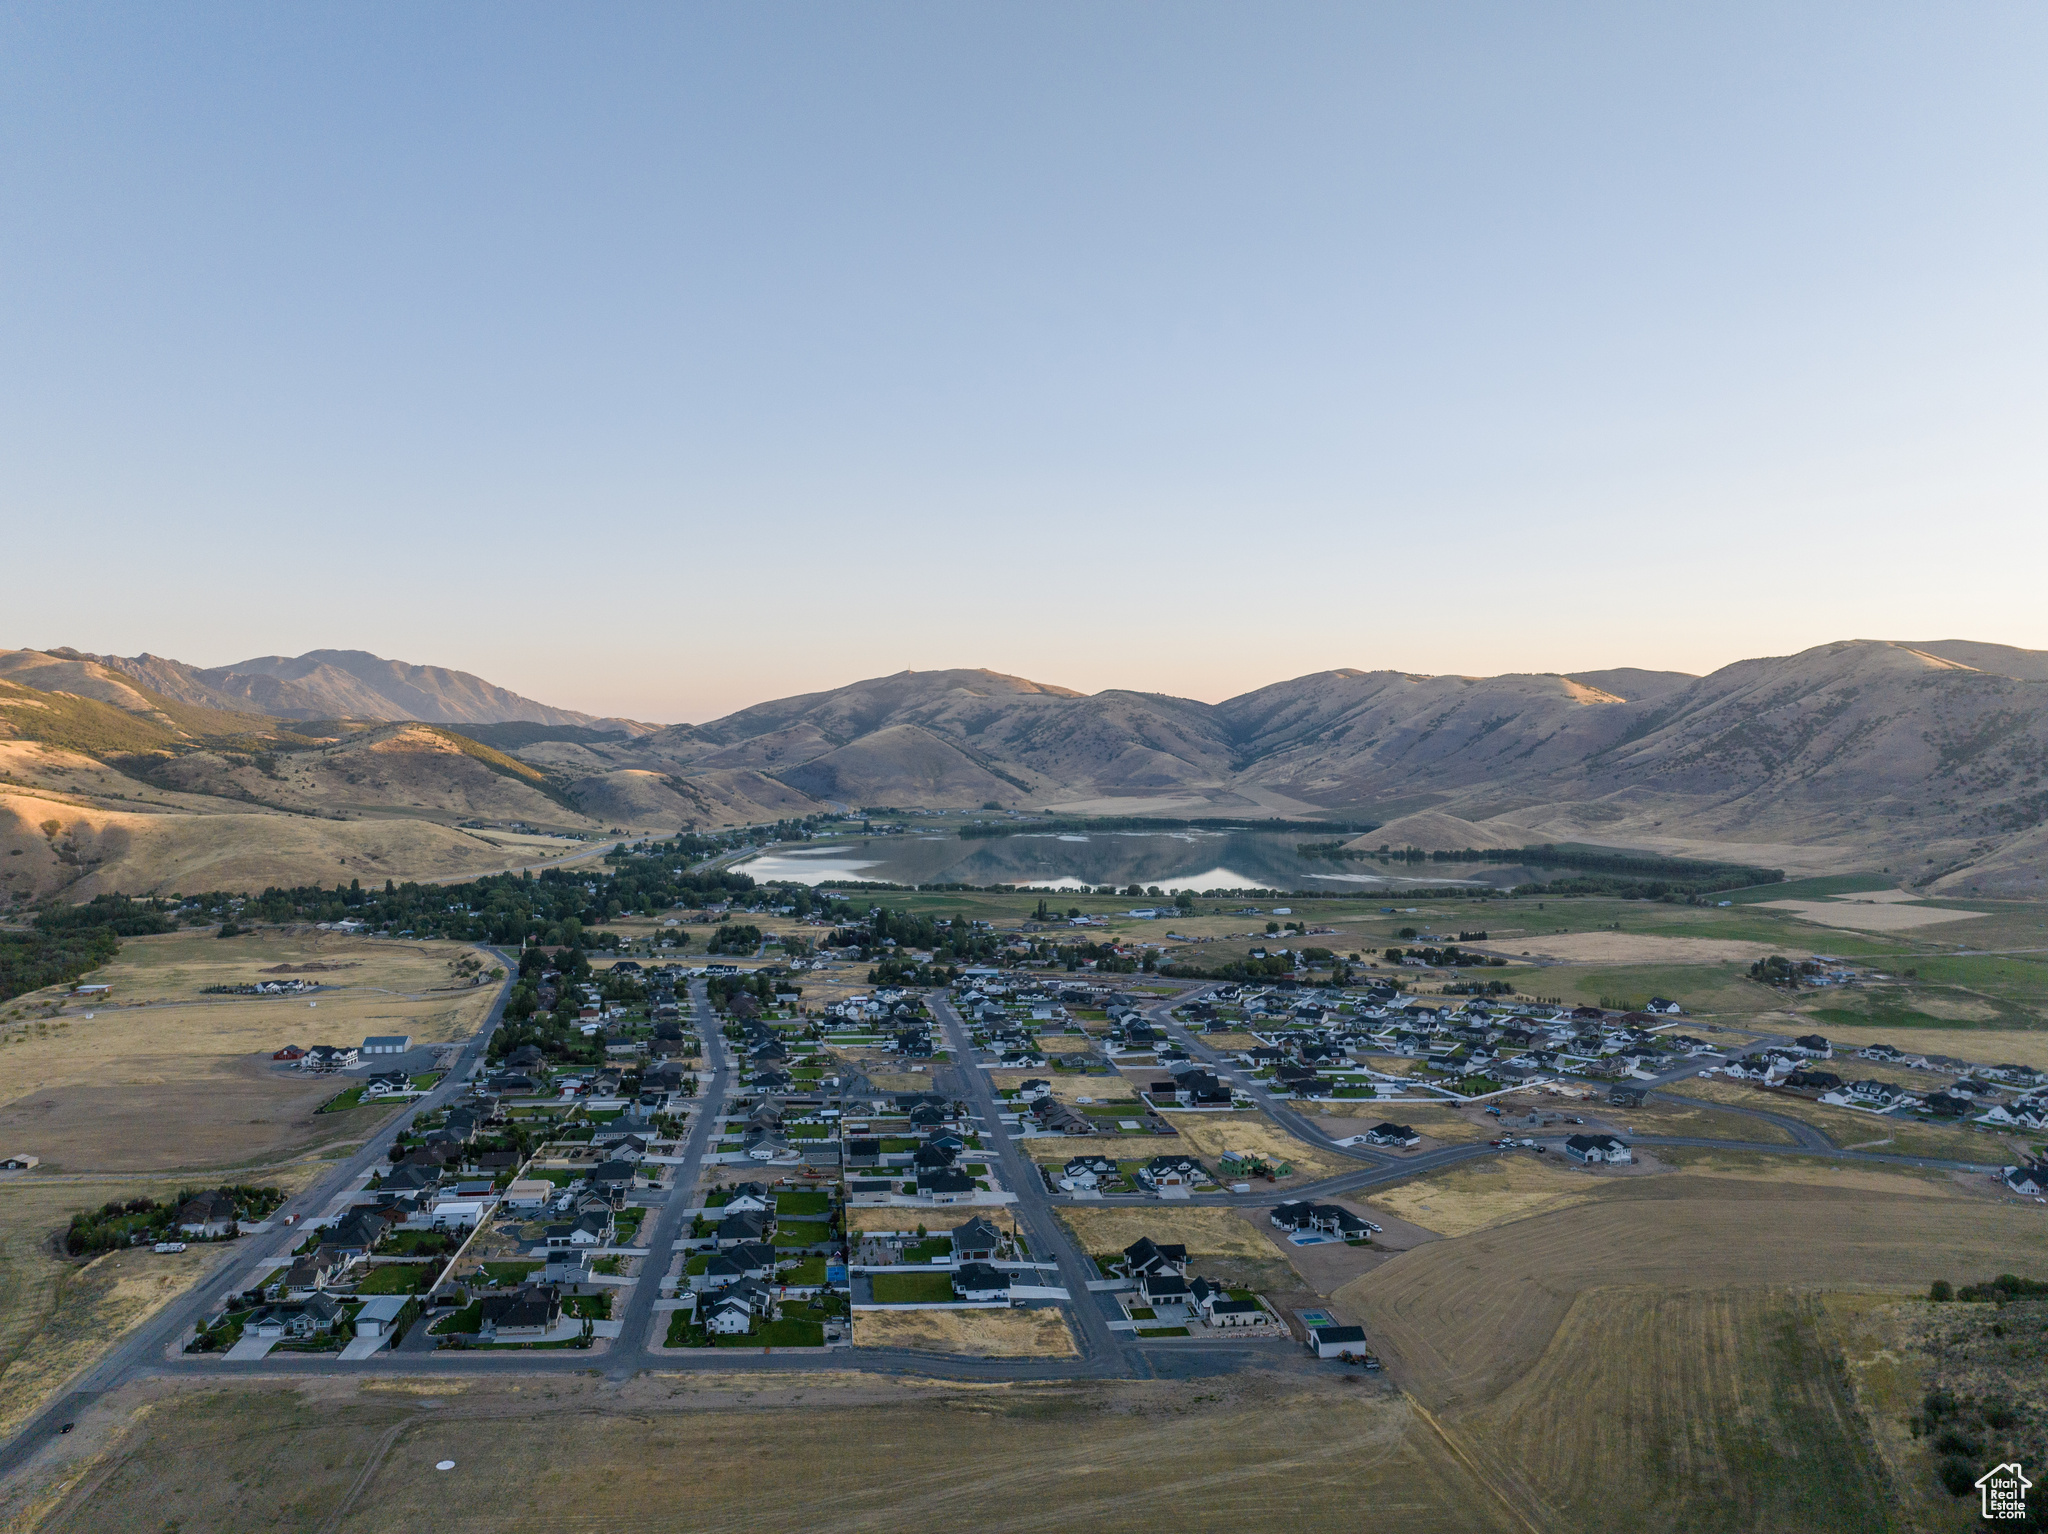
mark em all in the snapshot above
pixel 810 1271
pixel 788 1332
pixel 469 1319
pixel 590 1307
pixel 929 1250
pixel 1162 1331
pixel 418 1243
pixel 802 1233
pixel 426 1081
pixel 510 1272
pixel 913 1288
pixel 397 1277
pixel 344 1101
pixel 794 1206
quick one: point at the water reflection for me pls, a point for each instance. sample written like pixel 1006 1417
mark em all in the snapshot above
pixel 1169 860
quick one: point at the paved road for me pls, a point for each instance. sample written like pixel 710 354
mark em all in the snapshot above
pixel 645 1327
pixel 1103 1353
pixel 144 1349
pixel 1098 1344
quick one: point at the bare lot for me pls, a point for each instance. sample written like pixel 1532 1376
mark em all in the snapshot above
pixel 1209 1135
pixel 976 1333
pixel 166 1078
pixel 1246 1451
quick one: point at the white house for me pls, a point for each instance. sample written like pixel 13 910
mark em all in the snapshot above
pixel 1592 1148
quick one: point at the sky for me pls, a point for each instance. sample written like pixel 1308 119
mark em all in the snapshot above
pixel 657 360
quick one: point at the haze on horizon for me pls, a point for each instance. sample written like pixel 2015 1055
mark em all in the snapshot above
pixel 658 362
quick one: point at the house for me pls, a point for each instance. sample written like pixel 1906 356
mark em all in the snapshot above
pixel 931 1158
pixel 1816 1045
pixel 1947 1106
pixel 743 1225
pixel 869 1191
pixel 387 1044
pixel 1663 1004
pixel 977 1241
pixel 1329 1219
pixel 1227 1313
pixel 385 1083
pixel 1145 1255
pixel 734 1312
pixel 1088 1172
pixel 593 1227
pixel 208 1215
pixel 2027 1181
pixel 1033 1088
pixel 1886 1052
pixel 313 1316
pixel 977 1281
pixel 355 1235
pixel 750 1259
pixel 1592 1148
pixel 1392 1134
pixel 1165 1289
pixel 750 1197
pixel 291 1052
pixel 946 1186
pixel 1873 1091
pixel 20 1163
pixel 1336 1341
pixel 328 1057
pixel 1200 1089
pixel 612 1177
pixel 527 1314
pixel 1172 1172
pixel 1813 1081
pixel 1056 1117
pixel 565 1267
pixel 316 1270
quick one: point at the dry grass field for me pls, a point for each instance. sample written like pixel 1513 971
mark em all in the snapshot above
pixel 1988 1046
pixel 56 1316
pixel 160 851
pixel 1209 1135
pixel 1634 948
pixel 1205 1232
pixel 1477 1195
pixel 1701 1122
pixel 1467 1316
pixel 1845 1126
pixel 164 1078
pixel 972 1333
pixel 1435 1121
pixel 739 1453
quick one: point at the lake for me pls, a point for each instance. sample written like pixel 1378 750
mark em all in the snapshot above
pixel 1172 860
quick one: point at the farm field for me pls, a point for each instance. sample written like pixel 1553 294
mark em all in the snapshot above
pixel 1037 1333
pixel 1468 1316
pixel 1254 1450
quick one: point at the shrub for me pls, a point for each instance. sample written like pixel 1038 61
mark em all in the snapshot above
pixel 1941 1290
pixel 1958 1475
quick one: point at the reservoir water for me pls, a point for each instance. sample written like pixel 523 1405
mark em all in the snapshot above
pixel 1172 860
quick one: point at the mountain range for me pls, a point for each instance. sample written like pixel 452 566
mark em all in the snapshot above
pixel 1923 758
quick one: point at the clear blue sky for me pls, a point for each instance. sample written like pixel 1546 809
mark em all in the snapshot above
pixel 660 359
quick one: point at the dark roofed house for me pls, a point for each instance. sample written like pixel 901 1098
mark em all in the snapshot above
pixel 977 1241
pixel 209 1214
pixel 743 1225
pixel 527 1313
pixel 978 1281
pixel 946 1186
pixel 1591 1148
pixel 1392 1134
pixel 1172 1172
pixel 1145 1255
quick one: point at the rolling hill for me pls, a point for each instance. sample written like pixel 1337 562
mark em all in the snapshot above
pixel 1927 758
